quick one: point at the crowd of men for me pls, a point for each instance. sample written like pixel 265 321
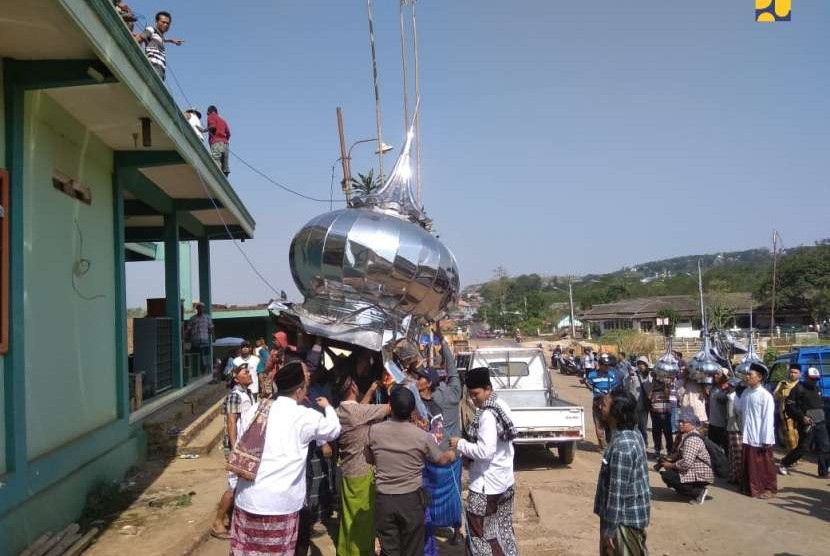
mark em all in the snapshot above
pixel 309 422
pixel 726 428
pixel 391 451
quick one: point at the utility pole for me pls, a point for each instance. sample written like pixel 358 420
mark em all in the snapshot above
pixel 571 299
pixel 774 280
pixel 347 171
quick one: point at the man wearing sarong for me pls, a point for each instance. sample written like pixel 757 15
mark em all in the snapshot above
pixel 757 409
pixel 237 411
pixel 398 449
pixel 788 427
pixel 270 460
pixel 444 482
pixel 357 483
pixel 490 447
pixel 623 498
pixel 733 431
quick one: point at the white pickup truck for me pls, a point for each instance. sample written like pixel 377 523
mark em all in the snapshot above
pixel 521 378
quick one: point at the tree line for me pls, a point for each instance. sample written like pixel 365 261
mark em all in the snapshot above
pixel 530 301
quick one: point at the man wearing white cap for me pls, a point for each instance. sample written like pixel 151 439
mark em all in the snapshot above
pixel 194 118
pixel 804 405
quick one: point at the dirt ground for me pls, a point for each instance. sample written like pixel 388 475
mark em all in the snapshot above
pixel 794 523
pixel 554 510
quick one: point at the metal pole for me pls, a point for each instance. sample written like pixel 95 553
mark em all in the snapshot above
pixel 571 299
pixel 774 280
pixel 418 102
pixel 347 178
pixel 377 87
pixel 403 69
pixel 704 324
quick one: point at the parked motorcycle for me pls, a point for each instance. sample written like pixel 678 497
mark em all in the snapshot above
pixel 568 366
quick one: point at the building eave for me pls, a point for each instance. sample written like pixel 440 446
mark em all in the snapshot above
pixel 102 27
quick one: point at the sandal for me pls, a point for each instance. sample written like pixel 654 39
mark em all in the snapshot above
pixel 221 536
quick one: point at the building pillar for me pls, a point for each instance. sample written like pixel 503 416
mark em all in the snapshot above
pixel 204 281
pixel 122 386
pixel 186 273
pixel 204 274
pixel 172 289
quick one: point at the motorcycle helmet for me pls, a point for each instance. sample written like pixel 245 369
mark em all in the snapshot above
pixel 607 359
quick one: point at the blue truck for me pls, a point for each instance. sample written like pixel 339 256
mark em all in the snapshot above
pixel 806 357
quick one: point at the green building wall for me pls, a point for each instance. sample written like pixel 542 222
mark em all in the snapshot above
pixel 70 318
pixel 75 437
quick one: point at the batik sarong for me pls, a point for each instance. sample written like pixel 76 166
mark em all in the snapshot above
pixel 736 457
pixel 628 541
pixel 357 516
pixel 443 482
pixel 258 535
pixel 760 476
pixel 490 524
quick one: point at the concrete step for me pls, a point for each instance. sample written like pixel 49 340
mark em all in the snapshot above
pixel 206 439
pixel 201 422
pixel 186 417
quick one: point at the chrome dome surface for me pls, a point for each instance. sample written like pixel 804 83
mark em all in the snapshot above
pixel 667 367
pixel 366 267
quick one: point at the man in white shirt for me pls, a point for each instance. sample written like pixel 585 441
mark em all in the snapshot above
pixel 756 407
pixel 490 447
pixel 237 410
pixel 194 118
pixel 267 509
pixel 252 361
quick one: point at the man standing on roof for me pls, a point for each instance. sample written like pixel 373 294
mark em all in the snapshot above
pixel 153 41
pixel 805 407
pixel 757 410
pixel 194 118
pixel 219 135
pixel 601 381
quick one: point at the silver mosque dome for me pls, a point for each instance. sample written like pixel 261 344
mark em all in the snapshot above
pixel 667 367
pixel 374 264
pixel 750 359
pixel 704 364
pixel 367 261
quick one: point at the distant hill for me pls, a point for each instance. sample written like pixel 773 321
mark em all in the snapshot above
pixel 741 270
pixel 530 300
pixel 688 264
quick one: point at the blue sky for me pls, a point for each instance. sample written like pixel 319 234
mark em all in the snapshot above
pixel 558 136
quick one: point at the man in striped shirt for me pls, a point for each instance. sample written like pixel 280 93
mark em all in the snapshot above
pixel 153 41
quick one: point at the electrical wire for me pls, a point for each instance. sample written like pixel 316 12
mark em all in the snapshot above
pixel 278 184
pixel 81 267
pixel 251 166
pixel 222 218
